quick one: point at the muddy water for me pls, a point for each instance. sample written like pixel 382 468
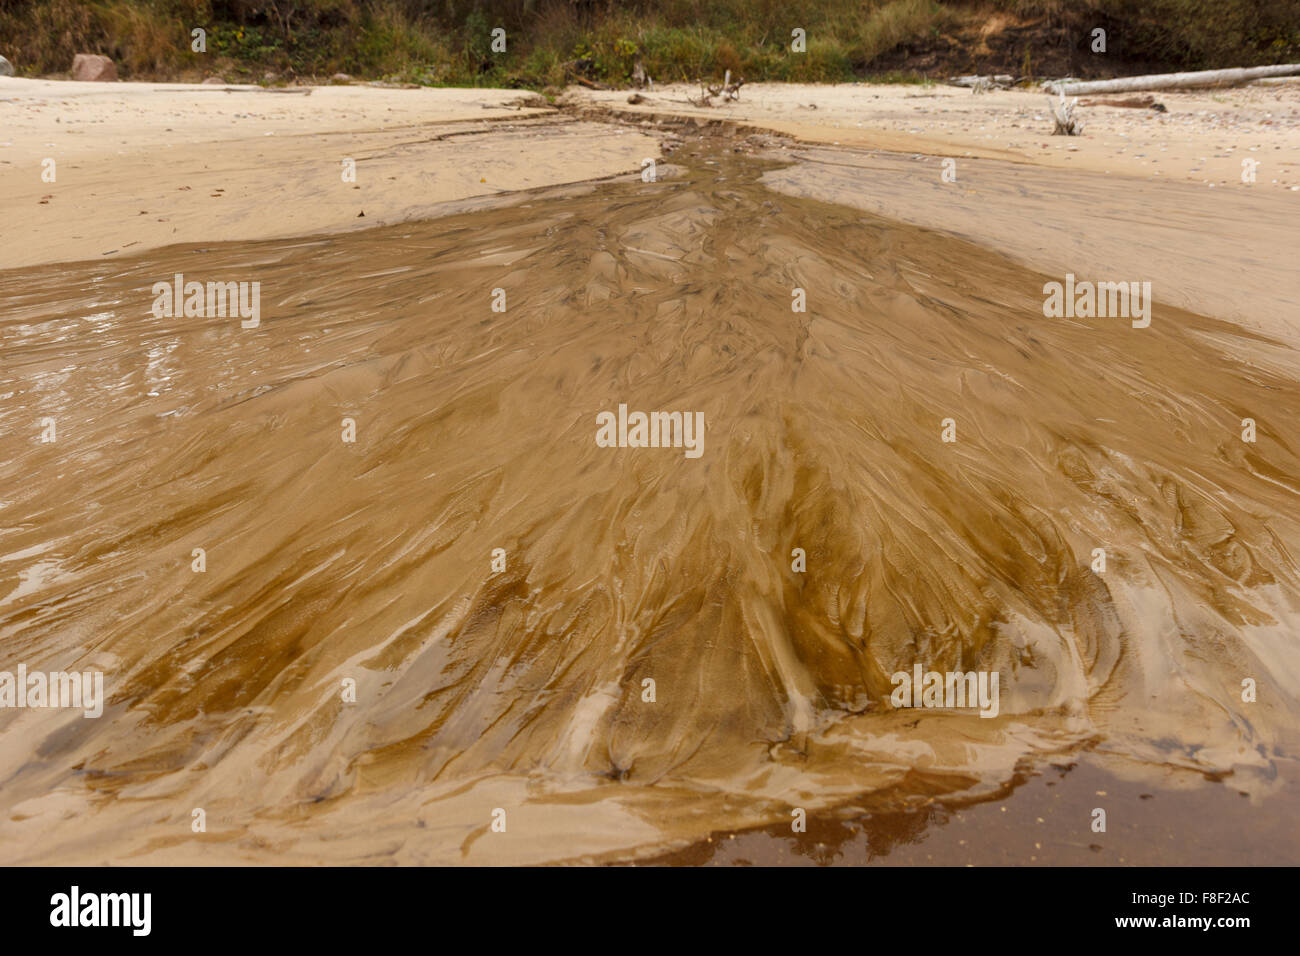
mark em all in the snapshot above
pixel 524 689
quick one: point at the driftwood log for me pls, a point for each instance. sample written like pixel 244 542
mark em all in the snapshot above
pixel 979 84
pixel 1141 102
pixel 1173 81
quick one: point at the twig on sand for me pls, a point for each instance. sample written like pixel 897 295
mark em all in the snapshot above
pixel 301 90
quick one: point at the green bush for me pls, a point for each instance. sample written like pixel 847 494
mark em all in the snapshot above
pixel 448 41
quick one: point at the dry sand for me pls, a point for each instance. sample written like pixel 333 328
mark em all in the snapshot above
pixel 142 165
pixel 1202 138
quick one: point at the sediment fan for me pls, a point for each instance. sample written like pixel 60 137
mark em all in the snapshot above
pixel 522 683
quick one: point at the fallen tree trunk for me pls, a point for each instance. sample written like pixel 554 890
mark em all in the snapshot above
pixel 1175 81
pixel 1000 79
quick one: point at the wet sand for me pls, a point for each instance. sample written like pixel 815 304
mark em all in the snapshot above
pixel 1044 818
pixel 1224 254
pixel 522 689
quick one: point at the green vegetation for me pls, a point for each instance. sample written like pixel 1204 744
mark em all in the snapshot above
pixel 550 42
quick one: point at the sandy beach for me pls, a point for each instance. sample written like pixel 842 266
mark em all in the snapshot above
pixel 1163 189
pixel 1202 136
pixel 144 165
pixel 392 478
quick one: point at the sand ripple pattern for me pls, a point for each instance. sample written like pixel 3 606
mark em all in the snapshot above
pixel 475 430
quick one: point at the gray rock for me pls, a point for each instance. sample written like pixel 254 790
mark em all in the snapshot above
pixel 6 68
pixel 340 78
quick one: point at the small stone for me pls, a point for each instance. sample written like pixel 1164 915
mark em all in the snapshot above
pixel 213 81
pixel 340 78
pixel 6 68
